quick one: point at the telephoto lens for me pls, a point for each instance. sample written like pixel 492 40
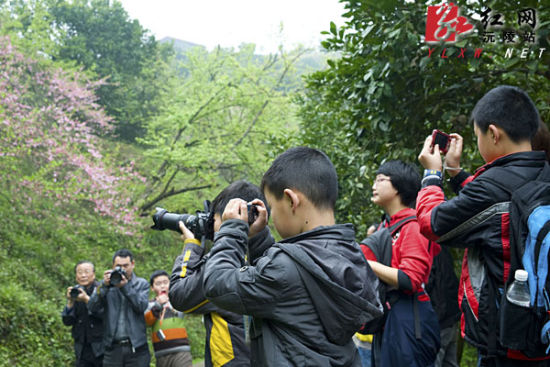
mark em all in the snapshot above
pixel 199 223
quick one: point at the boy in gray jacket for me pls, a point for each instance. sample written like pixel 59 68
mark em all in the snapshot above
pixel 307 294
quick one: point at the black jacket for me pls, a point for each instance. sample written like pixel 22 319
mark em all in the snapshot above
pixel 136 292
pixel 477 219
pixel 308 295
pixel 87 326
pixel 187 295
pixel 442 288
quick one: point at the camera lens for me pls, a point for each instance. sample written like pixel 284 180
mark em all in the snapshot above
pixel 116 276
pixel 75 292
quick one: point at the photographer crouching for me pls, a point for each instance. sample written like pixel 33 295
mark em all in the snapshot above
pixel 124 297
pixel 87 327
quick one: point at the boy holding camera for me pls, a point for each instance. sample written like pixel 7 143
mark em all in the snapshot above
pixel 169 335
pixel 225 335
pixel 504 120
pixel 87 327
pixel 124 297
pixel 311 292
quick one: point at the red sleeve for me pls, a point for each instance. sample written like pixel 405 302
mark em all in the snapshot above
pixel 369 255
pixel 410 255
pixel 467 181
pixel 428 198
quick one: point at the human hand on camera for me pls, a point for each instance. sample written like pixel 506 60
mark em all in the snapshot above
pixel 261 220
pixel 123 281
pixel 238 209
pixel 186 234
pixel 430 157
pixel 107 277
pixel 452 158
pixel 235 209
pixel 70 300
pixel 162 298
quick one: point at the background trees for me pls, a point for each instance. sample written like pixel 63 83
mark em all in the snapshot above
pixel 216 123
pixel 100 123
pixel 384 94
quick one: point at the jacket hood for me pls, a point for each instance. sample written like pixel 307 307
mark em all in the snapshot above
pixel 338 278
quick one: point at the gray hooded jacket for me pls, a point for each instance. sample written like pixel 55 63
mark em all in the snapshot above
pixel 308 295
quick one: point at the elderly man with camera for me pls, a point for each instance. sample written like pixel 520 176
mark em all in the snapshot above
pixel 124 296
pixel 87 327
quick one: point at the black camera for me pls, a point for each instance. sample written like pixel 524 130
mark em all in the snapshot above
pixel 116 276
pixel 75 291
pixel 252 213
pixel 201 223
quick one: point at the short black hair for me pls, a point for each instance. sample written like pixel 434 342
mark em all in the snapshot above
pixel 123 253
pixel 84 262
pixel 404 178
pixel 307 170
pixel 239 189
pixel 156 274
pixel 509 108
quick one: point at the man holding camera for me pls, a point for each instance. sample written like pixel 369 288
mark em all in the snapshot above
pixel 226 340
pixel 124 296
pixel 87 327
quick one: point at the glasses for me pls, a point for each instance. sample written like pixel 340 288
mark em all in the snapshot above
pixel 162 282
pixel 381 179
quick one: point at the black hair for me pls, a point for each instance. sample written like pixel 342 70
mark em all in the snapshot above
pixel 509 108
pixel 123 253
pixel 404 178
pixel 541 140
pixel 84 262
pixel 156 274
pixel 239 189
pixel 307 170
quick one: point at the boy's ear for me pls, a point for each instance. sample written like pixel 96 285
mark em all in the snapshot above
pixel 293 198
pixel 495 133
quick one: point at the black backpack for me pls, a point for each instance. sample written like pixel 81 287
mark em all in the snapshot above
pixel 520 328
pixel 380 243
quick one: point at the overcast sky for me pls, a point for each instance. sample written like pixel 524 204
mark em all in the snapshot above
pixel 231 22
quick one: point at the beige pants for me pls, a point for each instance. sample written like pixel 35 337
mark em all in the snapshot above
pixel 179 359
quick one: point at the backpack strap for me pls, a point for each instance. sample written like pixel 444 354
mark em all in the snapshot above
pixel 394 228
pixel 540 237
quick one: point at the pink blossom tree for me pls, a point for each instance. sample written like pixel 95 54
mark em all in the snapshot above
pixel 50 140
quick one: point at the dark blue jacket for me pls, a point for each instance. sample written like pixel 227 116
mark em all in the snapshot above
pixel 87 326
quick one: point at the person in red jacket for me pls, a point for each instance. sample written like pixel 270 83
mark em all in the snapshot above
pixel 411 332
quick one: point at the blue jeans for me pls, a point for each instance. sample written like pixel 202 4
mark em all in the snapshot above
pixel 366 355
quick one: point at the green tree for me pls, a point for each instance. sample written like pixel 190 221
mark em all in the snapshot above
pixel 99 36
pixel 385 94
pixel 216 124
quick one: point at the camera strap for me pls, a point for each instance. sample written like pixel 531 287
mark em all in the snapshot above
pixel 162 315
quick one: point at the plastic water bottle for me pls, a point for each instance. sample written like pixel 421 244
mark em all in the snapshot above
pixel 518 293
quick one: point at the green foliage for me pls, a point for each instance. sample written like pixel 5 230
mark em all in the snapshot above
pixel 99 36
pixel 215 125
pixel 384 94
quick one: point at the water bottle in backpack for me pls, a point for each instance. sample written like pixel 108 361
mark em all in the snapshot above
pixel 518 292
